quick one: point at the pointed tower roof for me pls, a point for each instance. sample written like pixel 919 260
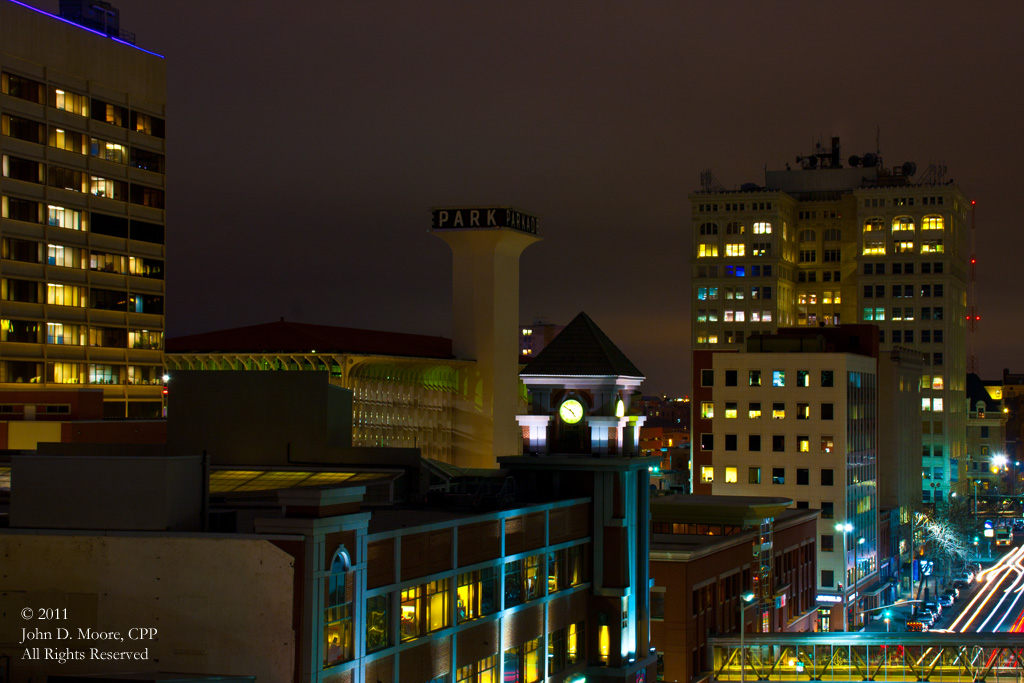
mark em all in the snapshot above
pixel 582 349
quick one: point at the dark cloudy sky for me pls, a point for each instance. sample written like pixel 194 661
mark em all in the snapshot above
pixel 307 141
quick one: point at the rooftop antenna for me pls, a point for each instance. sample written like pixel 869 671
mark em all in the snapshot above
pixel 709 183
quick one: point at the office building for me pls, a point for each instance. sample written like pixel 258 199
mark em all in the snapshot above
pixel 790 418
pixel 827 243
pixel 81 209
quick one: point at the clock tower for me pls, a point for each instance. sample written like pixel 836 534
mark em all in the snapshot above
pixel 580 388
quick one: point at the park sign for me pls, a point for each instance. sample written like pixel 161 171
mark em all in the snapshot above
pixel 482 218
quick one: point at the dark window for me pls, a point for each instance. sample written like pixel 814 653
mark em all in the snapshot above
pixel 827 543
pixel 146 160
pixel 754 442
pixel 778 475
pixel 730 378
pixel 707 442
pixel 754 475
pixel 108 299
pixel 24 129
pixel 779 443
pixel 147 232
pixel 22 250
pixel 707 378
pixel 803 477
pixel 827 509
pixel 826 478
pixel 730 442
pixel 803 505
pixel 146 196
pixel 827 378
pixel 21 290
pixel 827 578
pixel 827 411
pixel 23 88
pixel 22 210
pixel 104 224
pixel 23 169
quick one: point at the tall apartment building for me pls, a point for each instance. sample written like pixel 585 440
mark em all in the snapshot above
pixel 82 208
pixel 824 244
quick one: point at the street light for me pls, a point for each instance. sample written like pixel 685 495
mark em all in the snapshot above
pixel 744 599
pixel 845 529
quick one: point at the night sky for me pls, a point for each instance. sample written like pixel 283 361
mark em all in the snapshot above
pixel 307 141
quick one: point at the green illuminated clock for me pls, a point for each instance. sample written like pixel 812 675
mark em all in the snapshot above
pixel 571 411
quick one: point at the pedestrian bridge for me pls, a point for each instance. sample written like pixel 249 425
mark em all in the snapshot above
pixel 934 657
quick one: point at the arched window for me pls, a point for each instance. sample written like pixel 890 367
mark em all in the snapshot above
pixel 807 236
pixel 709 229
pixel 338 641
pixel 873 225
pixel 932 223
pixel 763 228
pixel 833 235
pixel 903 223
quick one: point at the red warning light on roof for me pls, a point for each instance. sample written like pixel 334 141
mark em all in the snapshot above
pixel 972 202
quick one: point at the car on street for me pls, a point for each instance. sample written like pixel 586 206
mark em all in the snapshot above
pixel 946 600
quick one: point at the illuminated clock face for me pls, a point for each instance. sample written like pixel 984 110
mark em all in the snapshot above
pixel 571 411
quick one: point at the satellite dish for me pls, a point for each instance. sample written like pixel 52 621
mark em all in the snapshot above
pixel 909 168
pixel 870 160
pixel 854 160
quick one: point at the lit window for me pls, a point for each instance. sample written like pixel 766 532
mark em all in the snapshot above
pixel 741 316
pixel 932 246
pixel 932 223
pixel 803 378
pixel 903 247
pixel 754 411
pixel 707 251
pixel 937 382
pixel 874 248
pixel 735 249
pixel 803 411
pixel 338 641
pixel 803 444
pixel 926 404
pixel 778 378
pixel 827 444
pixel 730 410
pixel 707 474
pixel 762 228
pixel 903 224
pixel 778 411
pixel 477 593
pixel 58 216
pixel 937 405
pixel 730 475
pixel 755 378
pixel 707 410
pixel 729 316
pixel 873 225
